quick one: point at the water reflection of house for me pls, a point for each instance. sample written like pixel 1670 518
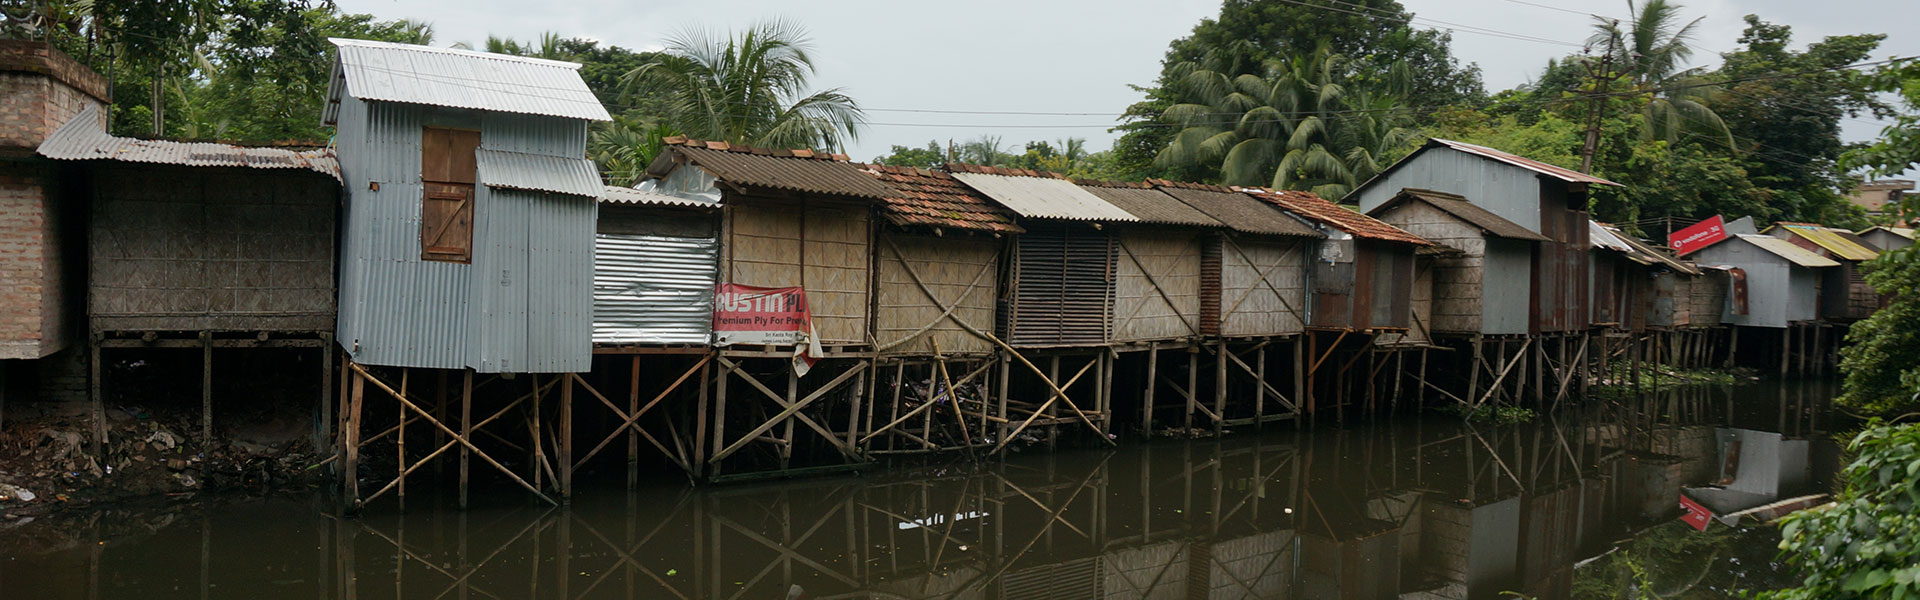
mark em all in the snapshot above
pixel 1755 468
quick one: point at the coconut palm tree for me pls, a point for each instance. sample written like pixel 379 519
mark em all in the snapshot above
pixel 748 88
pixel 1301 126
pixel 1651 50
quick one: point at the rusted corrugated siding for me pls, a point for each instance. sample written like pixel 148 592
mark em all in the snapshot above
pixel 1063 286
pixel 1561 270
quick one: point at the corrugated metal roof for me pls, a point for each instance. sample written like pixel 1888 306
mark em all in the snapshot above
pixel 931 198
pixel 82 138
pixel 1904 232
pixel 1045 197
pixel 1561 173
pixel 538 172
pixel 1600 236
pixel 793 170
pixel 1831 240
pixel 1149 204
pixel 1785 249
pixel 1237 211
pixel 459 78
pixel 1645 253
pixel 626 195
pixel 1312 206
pixel 1459 207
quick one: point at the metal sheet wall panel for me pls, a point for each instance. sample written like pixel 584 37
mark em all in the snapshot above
pixel 1063 286
pixel 1263 287
pixel 653 289
pixel 533 134
pixel 1770 288
pixel 559 283
pixel 497 331
pixel 947 265
pixel 1506 285
pixel 1157 289
pixel 1508 191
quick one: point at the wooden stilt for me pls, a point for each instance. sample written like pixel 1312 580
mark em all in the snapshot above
pixel 633 437
pixel 1473 380
pixel 1399 376
pixel 1786 347
pixel 786 434
pixel 1299 378
pixel 1006 374
pixel 400 444
pixel 1313 343
pixel 1539 372
pixel 899 383
pixel 1220 390
pixel 860 393
pixel 1053 374
pixel 1421 394
pixel 1146 394
pixel 700 419
pixel 96 403
pixel 350 467
pixel 466 428
pixel 537 446
pixel 1260 387
pixel 1193 384
pixel 206 391
pixel 720 411
pixel 323 426
pixel 565 458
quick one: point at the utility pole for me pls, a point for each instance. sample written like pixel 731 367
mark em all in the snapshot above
pixel 1600 78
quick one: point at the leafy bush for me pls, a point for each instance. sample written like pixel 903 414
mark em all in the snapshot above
pixel 1867 543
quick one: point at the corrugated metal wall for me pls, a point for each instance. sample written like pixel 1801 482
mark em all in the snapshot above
pixel 1561 268
pixel 1506 190
pixel 1804 287
pixel 1506 292
pixel 824 247
pixel 1769 287
pixel 1659 300
pixel 1249 306
pixel 528 290
pixel 1157 292
pixel 947 265
pixel 653 276
pixel 1334 270
pixel 201 248
pixel 1063 287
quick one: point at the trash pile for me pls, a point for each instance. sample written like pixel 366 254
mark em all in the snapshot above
pixel 54 462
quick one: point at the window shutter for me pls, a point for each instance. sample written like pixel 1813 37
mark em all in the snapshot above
pixel 447 175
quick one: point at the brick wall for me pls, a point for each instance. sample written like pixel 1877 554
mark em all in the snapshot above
pixel 40 89
pixel 30 265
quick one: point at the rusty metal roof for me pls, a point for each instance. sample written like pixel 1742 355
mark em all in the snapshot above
pixel 1830 239
pixel 1312 206
pixel 1785 249
pixel 935 199
pixel 1601 236
pixel 538 172
pixel 1148 203
pixel 84 138
pixel 1459 207
pixel 614 194
pixel 793 170
pixel 457 78
pixel 1039 195
pixel 1645 253
pixel 1239 212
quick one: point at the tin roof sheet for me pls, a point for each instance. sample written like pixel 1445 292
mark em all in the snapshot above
pixel 1312 206
pixel 1040 196
pixel 1785 249
pixel 1557 172
pixel 538 172
pixel 793 170
pixel 614 194
pixel 1832 240
pixel 1646 253
pixel 83 138
pixel 1239 212
pixel 459 78
pixel 1904 232
pixel 1458 206
pixel 931 198
pixel 1149 204
pixel 1601 236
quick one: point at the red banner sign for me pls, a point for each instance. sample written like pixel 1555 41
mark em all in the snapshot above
pixel 1697 515
pixel 744 314
pixel 1697 236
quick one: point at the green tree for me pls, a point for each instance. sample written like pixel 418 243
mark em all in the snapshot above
pixel 1650 51
pixel 750 88
pixel 905 156
pixel 1882 366
pixel 1867 543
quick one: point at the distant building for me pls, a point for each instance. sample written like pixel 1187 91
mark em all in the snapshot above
pixel 1874 196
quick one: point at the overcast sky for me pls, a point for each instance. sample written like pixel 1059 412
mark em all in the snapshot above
pixel 1054 56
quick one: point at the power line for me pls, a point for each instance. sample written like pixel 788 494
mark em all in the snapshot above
pixel 1551 7
pixel 1396 18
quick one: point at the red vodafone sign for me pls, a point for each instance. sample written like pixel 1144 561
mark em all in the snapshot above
pixel 1698 236
pixel 1696 515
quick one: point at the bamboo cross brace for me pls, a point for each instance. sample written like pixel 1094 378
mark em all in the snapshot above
pixel 1496 455
pixel 461 438
pixel 1268 387
pixel 1570 370
pixel 1495 386
pixel 446 446
pixel 1009 561
pixel 953 396
pixel 1330 348
pixel 791 411
pixel 1036 502
pixel 624 558
pixel 924 406
pixel 1157 288
pixel 632 421
pixel 1056 395
pixel 1011 352
pixel 947 312
pixel 408 553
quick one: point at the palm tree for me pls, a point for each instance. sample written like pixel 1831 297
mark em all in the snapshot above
pixel 623 149
pixel 416 32
pixel 750 88
pixel 1299 127
pixel 1651 50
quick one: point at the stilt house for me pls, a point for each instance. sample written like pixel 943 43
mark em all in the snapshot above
pixel 655 263
pixel 1663 294
pixel 1774 283
pixel 1262 261
pixel 1619 271
pixel 1159 292
pixel 469 225
pixel 939 264
pixel 1544 199
pixel 1844 293
pixel 1483 289
pixel 1883 238
pixel 1363 275
pixel 1062 272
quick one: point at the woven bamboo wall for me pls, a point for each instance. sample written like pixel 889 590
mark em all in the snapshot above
pixel 185 249
pixel 820 246
pixel 1709 298
pixel 1143 311
pixel 947 265
pixel 1456 279
pixel 1248 307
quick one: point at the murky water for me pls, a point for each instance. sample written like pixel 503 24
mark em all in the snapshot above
pixel 1408 508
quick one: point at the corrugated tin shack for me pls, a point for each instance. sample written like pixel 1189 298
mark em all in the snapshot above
pixel 655 263
pixel 1619 271
pixel 1780 282
pixel 1262 261
pixel 1547 200
pixel 1665 291
pixel 939 249
pixel 1883 238
pixel 1161 292
pixel 468 235
pixel 1845 295
pixel 1482 290
pixel 1363 277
